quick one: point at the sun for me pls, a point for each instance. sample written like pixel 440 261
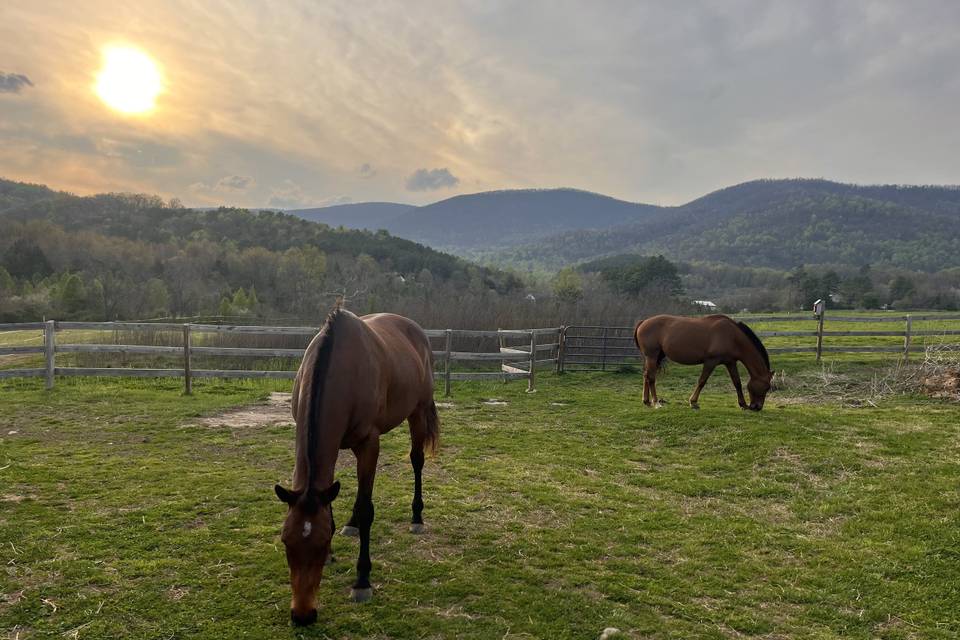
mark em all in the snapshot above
pixel 129 80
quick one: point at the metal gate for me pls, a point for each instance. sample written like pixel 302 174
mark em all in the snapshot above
pixel 591 348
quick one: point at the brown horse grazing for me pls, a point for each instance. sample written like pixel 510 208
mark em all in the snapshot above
pixel 709 341
pixel 359 378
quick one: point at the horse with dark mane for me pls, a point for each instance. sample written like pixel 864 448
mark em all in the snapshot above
pixel 710 341
pixel 359 378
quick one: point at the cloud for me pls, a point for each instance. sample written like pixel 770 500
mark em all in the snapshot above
pixel 366 171
pixel 640 100
pixel 232 185
pixel 13 82
pixel 235 183
pixel 289 195
pixel 430 179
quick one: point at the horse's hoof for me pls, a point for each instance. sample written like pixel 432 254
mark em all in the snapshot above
pixel 350 532
pixel 361 595
pixel 695 406
pixel 659 405
pixel 418 527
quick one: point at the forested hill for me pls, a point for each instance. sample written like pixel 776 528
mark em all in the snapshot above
pixel 779 224
pixel 148 219
pixel 364 215
pixel 132 256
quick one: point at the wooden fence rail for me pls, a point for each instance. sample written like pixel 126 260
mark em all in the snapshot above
pixel 521 351
pixel 523 359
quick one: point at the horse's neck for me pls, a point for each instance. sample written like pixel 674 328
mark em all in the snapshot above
pixel 752 358
pixel 324 468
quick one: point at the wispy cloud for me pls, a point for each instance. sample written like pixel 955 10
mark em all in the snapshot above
pixel 288 195
pixel 642 100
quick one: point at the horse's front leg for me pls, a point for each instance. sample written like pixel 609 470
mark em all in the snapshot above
pixel 708 367
pixel 735 377
pixel 367 453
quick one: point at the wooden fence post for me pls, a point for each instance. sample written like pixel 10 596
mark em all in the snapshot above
pixel 603 350
pixel 187 369
pixel 49 349
pixel 531 381
pixel 561 347
pixel 501 342
pixel 446 362
pixel 907 338
pixel 823 312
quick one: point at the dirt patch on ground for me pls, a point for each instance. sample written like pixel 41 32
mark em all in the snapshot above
pixel 943 385
pixel 275 411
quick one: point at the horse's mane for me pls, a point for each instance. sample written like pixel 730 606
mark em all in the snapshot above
pixel 321 366
pixel 756 342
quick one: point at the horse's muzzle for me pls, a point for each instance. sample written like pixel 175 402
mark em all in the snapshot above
pixel 302 620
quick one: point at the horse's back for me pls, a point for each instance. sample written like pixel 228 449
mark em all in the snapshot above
pixel 406 366
pixel 681 339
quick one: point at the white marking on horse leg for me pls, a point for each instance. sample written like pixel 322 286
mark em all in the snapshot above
pixel 361 595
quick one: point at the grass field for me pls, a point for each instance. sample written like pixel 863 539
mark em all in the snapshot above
pixel 554 515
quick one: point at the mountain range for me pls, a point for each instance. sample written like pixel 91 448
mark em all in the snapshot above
pixel 764 223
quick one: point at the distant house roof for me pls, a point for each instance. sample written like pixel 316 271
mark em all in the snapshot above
pixel 705 303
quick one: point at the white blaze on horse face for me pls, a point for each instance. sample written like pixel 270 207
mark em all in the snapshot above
pixel 307 528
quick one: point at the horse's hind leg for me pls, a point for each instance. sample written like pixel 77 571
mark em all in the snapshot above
pixel 650 382
pixel 418 437
pixel 708 368
pixel 367 453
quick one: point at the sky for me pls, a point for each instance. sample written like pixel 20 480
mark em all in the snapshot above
pixel 304 103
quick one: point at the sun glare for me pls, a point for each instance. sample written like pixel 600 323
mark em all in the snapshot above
pixel 129 80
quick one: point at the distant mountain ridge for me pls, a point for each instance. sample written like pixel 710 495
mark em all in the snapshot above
pixel 778 224
pixel 487 219
pixel 763 223
pixel 769 222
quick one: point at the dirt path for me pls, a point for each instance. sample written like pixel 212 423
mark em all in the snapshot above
pixel 275 411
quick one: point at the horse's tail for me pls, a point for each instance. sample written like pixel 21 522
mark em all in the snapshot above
pixel 661 361
pixel 433 428
pixel 636 337
pixel 661 356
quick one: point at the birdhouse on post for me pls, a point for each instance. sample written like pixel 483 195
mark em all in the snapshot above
pixel 818 309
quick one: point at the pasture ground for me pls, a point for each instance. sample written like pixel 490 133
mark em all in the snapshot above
pixel 124 514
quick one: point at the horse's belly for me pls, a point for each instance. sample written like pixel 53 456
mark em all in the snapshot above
pixel 689 351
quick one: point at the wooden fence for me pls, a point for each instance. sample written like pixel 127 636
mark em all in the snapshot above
pixel 597 348
pixel 518 360
pixel 518 352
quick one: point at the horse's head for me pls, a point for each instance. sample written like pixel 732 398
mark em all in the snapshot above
pixel 306 535
pixel 758 387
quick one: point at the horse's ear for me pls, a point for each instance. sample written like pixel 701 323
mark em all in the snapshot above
pixel 285 495
pixel 329 494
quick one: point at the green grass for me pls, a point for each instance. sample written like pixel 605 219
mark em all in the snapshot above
pixel 556 515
